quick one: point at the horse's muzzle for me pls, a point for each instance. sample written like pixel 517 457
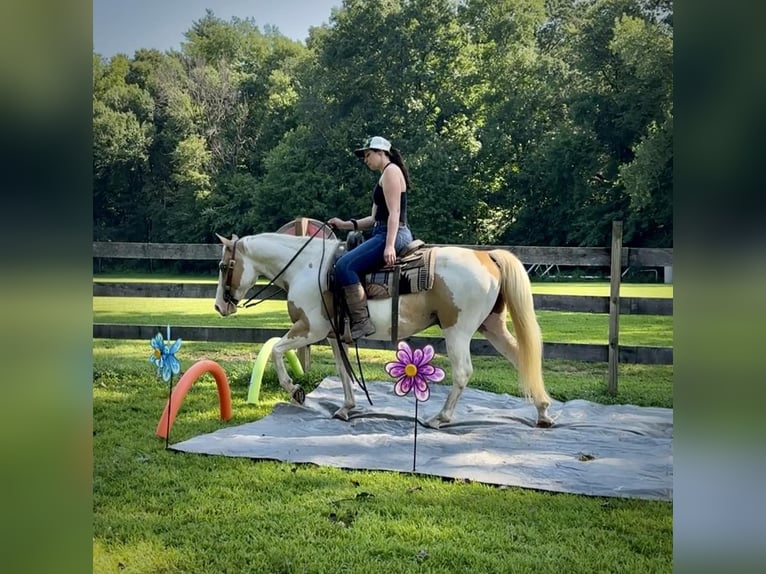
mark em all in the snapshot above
pixel 226 309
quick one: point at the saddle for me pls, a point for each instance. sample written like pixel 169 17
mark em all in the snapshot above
pixel 412 272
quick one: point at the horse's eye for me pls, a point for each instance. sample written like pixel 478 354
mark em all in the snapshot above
pixel 222 267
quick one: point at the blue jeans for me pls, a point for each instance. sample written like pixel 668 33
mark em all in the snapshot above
pixel 368 255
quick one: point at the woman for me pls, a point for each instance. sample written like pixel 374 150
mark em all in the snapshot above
pixel 390 233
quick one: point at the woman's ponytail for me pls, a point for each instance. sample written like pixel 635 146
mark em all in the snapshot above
pixel 396 158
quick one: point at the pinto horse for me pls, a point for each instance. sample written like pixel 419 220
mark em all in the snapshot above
pixel 472 291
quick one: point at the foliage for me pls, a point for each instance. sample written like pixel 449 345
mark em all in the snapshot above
pixel 531 122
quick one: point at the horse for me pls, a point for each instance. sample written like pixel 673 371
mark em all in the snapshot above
pixel 473 290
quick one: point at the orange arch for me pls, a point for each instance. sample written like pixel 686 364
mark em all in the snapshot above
pixel 184 384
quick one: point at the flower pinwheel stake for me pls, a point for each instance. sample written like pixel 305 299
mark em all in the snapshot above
pixel 164 358
pixel 413 371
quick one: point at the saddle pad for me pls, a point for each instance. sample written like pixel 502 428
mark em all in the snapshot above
pixel 416 273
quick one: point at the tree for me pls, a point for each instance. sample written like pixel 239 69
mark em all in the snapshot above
pixel 618 56
pixel 401 69
pixel 122 136
pixel 521 121
pixel 646 50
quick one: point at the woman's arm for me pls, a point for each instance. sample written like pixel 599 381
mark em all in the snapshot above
pixel 363 223
pixel 393 187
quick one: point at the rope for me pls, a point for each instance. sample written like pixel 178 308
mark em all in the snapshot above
pixel 333 324
pixel 294 257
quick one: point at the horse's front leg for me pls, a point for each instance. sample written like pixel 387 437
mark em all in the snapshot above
pixel 349 402
pixel 299 335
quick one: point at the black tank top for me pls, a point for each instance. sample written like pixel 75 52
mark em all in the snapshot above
pixel 379 199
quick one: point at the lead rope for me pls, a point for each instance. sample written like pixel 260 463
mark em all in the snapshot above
pixel 270 283
pixel 333 324
pixel 334 320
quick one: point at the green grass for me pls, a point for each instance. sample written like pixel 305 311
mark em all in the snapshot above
pixel 156 511
pixel 601 289
pixel 155 278
pixel 160 512
pixel 590 288
pixel 562 327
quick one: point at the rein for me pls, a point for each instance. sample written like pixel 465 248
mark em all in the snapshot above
pixel 335 328
pixel 339 337
pixel 271 282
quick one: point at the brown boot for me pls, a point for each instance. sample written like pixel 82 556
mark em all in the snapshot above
pixel 361 326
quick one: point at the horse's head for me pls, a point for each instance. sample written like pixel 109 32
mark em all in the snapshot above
pixel 236 275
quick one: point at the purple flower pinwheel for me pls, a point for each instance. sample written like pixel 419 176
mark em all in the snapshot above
pixel 413 370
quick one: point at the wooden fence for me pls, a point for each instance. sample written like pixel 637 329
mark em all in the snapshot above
pixel 617 258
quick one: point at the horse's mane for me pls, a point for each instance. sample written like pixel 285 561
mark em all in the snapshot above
pixel 287 238
pixel 289 235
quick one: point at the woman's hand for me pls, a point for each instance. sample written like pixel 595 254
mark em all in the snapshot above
pixel 389 255
pixel 337 223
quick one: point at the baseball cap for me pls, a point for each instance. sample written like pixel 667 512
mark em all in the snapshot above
pixel 375 142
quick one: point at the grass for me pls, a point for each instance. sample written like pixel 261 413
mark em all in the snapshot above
pixel 591 288
pixel 562 327
pixel 161 512
pixel 601 289
pixel 156 511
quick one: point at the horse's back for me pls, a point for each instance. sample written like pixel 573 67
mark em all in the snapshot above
pixel 465 290
pixel 472 269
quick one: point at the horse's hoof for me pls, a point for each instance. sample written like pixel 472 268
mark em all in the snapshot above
pixel 299 395
pixel 544 424
pixel 434 423
pixel 341 414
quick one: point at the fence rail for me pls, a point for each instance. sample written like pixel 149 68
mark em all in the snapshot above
pixel 570 303
pixel 613 305
pixel 479 347
pixel 530 255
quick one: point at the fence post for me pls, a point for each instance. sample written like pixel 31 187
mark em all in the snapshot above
pixel 614 306
pixel 304 353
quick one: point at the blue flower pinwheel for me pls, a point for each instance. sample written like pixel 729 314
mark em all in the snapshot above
pixel 413 370
pixel 164 356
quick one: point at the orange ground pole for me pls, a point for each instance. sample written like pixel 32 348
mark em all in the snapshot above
pixel 182 388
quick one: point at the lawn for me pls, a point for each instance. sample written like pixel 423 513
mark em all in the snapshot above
pixel 562 327
pixel 156 511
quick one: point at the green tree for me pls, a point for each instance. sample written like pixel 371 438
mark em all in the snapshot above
pixel 523 193
pixel 122 135
pixel 646 49
pixel 522 121
pixel 401 69
pixel 621 52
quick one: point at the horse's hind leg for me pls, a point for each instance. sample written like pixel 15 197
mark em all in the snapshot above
pixel 496 331
pixel 459 353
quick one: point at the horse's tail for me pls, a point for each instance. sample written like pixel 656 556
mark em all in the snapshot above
pixel 516 291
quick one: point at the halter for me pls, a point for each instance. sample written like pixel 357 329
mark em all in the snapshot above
pixel 228 268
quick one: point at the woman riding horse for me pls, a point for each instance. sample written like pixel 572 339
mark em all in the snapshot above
pixel 390 233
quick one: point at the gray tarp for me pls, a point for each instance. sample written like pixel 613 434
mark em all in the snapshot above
pixel 593 449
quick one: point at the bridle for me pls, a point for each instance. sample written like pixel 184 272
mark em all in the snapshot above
pixel 228 268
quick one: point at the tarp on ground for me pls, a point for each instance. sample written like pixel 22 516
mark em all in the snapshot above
pixel 593 449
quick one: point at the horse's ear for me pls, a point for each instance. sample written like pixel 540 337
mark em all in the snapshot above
pixel 234 237
pixel 223 239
